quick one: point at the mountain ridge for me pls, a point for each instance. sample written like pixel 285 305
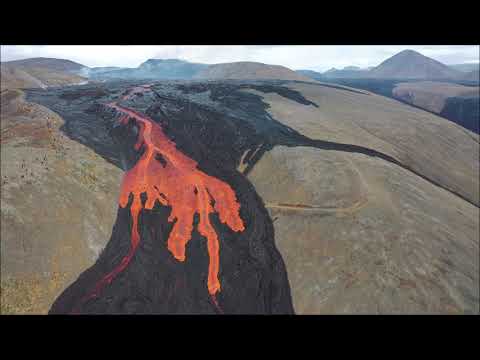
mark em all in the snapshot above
pixel 407 64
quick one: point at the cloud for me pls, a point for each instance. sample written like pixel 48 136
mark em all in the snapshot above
pixel 318 57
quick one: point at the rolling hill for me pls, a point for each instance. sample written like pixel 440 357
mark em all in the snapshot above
pixel 13 77
pixel 315 75
pixel 249 70
pixel 453 101
pixel 53 64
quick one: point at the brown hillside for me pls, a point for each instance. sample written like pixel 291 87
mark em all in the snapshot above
pixel 249 70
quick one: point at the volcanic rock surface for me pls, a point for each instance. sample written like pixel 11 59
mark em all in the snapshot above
pixel 373 204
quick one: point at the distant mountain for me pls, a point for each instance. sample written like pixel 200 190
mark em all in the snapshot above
pixel 406 65
pixel 157 69
pixel 409 64
pixel 348 72
pixel 472 76
pixel 91 72
pixel 311 74
pixel 249 70
pixel 105 69
pixel 47 63
pixel 153 69
pixel 172 68
pixel 330 71
pixel 466 67
pixel 354 68
pixel 121 73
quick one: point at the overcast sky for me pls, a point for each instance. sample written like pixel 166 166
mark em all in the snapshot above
pixel 319 58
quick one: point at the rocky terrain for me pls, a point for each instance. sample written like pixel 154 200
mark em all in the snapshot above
pixel 373 204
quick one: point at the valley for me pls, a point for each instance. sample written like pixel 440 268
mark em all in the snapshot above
pixel 341 185
pixel 179 187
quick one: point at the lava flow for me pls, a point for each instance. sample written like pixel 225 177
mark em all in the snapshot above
pixel 167 175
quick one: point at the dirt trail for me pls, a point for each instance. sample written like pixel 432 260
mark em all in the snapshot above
pixel 304 207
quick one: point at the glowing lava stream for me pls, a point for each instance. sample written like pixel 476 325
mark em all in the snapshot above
pixel 167 175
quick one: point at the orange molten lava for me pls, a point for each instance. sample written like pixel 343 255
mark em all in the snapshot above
pixel 176 181
pixel 165 174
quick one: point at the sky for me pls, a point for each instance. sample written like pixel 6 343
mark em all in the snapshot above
pixel 313 57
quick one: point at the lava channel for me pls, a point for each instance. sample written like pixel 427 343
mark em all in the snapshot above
pixel 167 175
